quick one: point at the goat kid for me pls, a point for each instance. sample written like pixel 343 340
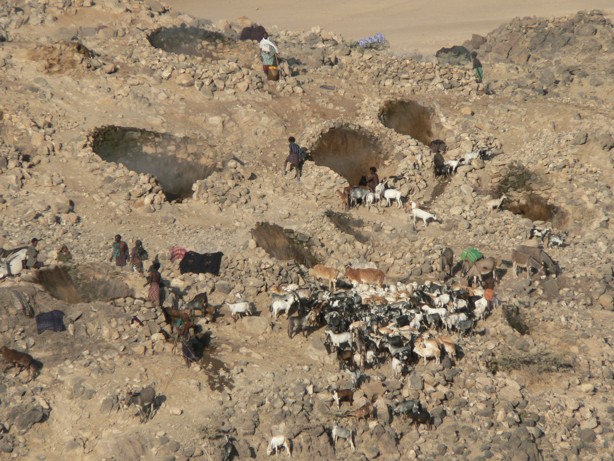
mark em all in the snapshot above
pixel 20 359
pixel 337 339
pixel 277 443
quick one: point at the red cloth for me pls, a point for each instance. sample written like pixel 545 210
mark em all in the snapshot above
pixel 489 294
pixel 177 253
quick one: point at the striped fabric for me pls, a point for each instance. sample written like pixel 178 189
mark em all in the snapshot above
pixel 177 253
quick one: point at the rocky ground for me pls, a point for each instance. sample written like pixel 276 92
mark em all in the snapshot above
pixel 533 384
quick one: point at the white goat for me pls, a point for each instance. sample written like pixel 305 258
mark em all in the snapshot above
pixel 337 339
pixel 453 320
pixel 282 303
pixel 239 309
pixel 397 367
pixel 379 191
pixel 277 443
pixel 453 165
pixel 480 307
pixel 370 199
pixel 393 194
pixel 495 203
pixel 425 216
pixel 343 433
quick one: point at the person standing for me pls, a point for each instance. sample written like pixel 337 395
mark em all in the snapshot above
pixel 121 253
pixel 372 179
pixel 32 261
pixel 137 256
pixel 294 158
pixel 477 67
pixel 154 279
pixel 268 53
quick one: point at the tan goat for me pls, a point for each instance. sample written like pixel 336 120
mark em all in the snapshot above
pixel 368 276
pixel 322 272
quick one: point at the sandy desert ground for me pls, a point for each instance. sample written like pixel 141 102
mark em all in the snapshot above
pixel 411 26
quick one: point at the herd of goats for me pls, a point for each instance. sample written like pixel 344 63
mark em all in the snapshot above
pixel 367 323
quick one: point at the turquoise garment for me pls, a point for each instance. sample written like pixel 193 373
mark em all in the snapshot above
pixel 268 59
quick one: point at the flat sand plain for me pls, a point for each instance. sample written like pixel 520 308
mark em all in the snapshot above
pixel 411 26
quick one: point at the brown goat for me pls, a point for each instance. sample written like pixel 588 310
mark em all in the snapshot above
pixel 331 274
pixel 368 276
pixel 344 196
pixel 366 411
pixel 343 395
pixel 20 359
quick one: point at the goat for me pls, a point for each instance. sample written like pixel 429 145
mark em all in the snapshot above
pixel 358 193
pixel 425 216
pixel 452 165
pixel 397 367
pixel 557 240
pixel 438 146
pixel 343 433
pixel 20 359
pixel 407 407
pixel 144 401
pixel 379 191
pixel 337 339
pixel 239 309
pixel 495 203
pixel 393 194
pixel 363 412
pixel 448 345
pixel 471 156
pixel 447 260
pixel 277 443
pixel 368 276
pixel 452 320
pixel 428 348
pixel 298 324
pixel 543 234
pixel 480 307
pixel 331 274
pixel 282 303
pixel 344 196
pixel 343 395
pixel 370 199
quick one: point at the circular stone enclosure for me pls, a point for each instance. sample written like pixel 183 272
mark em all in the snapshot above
pixel 348 152
pixel 175 161
pixel 191 41
pixel 408 118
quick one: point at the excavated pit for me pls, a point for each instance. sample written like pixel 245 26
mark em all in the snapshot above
pixel 536 208
pixel 191 41
pixel 408 118
pixel 177 162
pixel 83 284
pixel 283 244
pixel 348 152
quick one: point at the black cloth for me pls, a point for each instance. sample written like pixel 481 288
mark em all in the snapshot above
pixel 200 263
pixel 53 320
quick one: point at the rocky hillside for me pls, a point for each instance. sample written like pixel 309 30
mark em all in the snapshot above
pixel 128 117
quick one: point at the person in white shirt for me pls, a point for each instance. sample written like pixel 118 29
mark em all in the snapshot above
pixel 268 53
